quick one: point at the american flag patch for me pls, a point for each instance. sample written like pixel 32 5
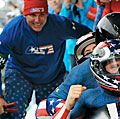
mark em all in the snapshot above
pixel 32 10
pixel 59 111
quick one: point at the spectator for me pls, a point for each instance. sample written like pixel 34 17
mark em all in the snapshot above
pixel 13 11
pixel 54 6
pixel 100 9
pixel 78 11
pixel 35 43
pixel 110 6
pixel 82 12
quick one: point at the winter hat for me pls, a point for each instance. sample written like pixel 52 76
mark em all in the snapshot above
pixel 81 44
pixel 35 6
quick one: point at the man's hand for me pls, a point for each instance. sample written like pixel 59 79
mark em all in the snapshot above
pixel 2 103
pixel 74 93
pixel 11 107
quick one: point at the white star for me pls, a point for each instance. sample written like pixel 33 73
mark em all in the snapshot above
pixel 51 102
pixel 32 49
pixel 105 77
pixel 57 89
pixel 115 81
pixel 116 51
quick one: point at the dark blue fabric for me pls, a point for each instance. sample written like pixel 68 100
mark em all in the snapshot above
pixel 93 97
pixel 35 58
pixel 30 51
pixel 19 90
pixel 80 74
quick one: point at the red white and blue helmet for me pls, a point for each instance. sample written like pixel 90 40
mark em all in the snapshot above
pixel 105 57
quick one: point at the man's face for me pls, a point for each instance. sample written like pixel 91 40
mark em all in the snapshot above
pixel 89 49
pixel 113 67
pixel 36 21
pixel 55 4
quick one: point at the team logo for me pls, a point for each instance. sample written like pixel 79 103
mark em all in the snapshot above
pixel 48 49
pixel 32 10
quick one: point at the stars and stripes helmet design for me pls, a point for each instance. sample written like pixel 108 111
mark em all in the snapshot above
pixel 105 65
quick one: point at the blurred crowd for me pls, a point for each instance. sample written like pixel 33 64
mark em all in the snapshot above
pixel 8 10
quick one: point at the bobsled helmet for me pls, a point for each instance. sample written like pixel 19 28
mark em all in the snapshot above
pixel 81 44
pixel 105 65
pixel 108 27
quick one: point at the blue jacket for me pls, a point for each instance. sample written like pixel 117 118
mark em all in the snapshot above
pixel 91 98
pixel 38 55
pixel 80 74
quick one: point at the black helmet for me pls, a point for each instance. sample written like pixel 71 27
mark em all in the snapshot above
pixel 81 44
pixel 108 27
pixel 105 65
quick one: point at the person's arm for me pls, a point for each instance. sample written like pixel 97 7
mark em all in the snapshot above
pixel 61 108
pixel 2 103
pixel 74 94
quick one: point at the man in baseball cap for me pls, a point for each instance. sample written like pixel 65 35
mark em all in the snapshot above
pixel 38 8
pixel 35 44
pixel 35 6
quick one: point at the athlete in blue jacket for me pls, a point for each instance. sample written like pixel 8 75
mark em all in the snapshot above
pixel 34 44
pixel 94 96
pixel 105 66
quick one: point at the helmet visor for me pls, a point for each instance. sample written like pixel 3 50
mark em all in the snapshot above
pixel 112 66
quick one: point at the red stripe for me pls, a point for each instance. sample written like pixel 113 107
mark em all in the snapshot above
pixel 41 112
pixel 64 114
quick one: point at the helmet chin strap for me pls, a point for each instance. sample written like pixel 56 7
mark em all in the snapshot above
pixel 112 109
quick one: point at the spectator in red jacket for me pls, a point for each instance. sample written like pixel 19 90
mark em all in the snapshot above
pixel 105 7
pixel 110 6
